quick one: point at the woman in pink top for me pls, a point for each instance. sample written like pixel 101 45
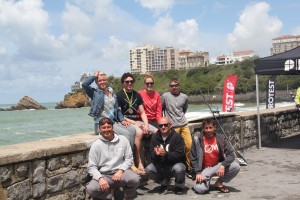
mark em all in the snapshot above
pixel 152 102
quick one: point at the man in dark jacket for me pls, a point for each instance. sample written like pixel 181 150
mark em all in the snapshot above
pixel 212 155
pixel 168 157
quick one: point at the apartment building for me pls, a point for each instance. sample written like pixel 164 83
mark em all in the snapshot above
pixel 234 56
pixel 149 58
pixel 188 59
pixel 172 58
pixel 284 43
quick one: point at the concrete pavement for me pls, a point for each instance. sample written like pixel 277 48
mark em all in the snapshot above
pixel 272 173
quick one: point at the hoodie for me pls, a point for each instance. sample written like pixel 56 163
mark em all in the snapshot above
pixel 106 157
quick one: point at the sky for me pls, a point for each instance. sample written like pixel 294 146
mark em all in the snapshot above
pixel 46 45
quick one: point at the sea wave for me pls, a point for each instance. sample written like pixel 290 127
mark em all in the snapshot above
pixel 20 133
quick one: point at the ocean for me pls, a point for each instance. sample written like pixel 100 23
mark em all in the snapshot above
pixel 33 125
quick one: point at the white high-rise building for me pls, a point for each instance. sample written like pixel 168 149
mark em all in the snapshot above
pixel 149 58
pixel 284 43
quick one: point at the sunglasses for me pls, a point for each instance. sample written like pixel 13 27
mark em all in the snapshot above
pixel 127 82
pixel 174 85
pixel 150 83
pixel 163 125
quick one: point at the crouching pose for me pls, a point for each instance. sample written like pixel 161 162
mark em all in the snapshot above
pixel 167 154
pixel 109 164
pixel 212 155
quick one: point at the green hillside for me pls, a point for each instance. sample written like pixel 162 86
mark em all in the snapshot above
pixel 210 79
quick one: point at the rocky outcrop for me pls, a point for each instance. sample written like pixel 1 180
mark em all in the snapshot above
pixel 25 103
pixel 76 99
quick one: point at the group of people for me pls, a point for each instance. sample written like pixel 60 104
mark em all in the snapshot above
pixel 122 119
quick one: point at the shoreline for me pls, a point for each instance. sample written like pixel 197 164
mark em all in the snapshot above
pixel 250 97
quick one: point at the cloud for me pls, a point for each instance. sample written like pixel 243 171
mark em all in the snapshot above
pixel 116 48
pixel 76 22
pixel 255 30
pixel 39 54
pixel 157 6
pixel 27 25
pixel 182 35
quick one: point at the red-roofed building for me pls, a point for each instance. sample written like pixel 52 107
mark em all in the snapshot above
pixel 284 43
pixel 234 56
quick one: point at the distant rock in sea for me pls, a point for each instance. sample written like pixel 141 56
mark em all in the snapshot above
pixel 25 103
pixel 76 99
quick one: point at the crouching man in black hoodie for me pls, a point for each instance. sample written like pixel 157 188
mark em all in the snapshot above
pixel 168 157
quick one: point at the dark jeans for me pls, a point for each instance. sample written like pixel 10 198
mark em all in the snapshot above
pixel 163 174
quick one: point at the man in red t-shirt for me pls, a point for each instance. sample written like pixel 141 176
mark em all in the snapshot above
pixel 211 155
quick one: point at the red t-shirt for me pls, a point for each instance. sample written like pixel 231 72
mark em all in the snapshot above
pixel 152 105
pixel 211 152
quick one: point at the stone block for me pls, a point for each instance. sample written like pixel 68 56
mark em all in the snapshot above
pixel 72 178
pixel 64 161
pixel 53 163
pixel 78 159
pixel 58 162
pixel 55 184
pixel 21 190
pixel 39 171
pixel 22 170
pixel 62 170
pixel 38 190
pixel 5 173
pixel 78 193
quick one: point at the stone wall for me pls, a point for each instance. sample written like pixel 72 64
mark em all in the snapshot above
pixel 52 169
pixel 61 177
pixel 241 128
pixel 55 169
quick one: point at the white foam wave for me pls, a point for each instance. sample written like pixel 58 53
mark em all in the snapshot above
pixel 44 132
pixel 20 133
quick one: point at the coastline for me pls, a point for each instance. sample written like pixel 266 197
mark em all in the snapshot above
pixel 250 97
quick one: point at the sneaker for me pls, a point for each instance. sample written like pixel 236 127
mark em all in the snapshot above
pixel 189 174
pixel 178 190
pixel 162 189
pixel 118 194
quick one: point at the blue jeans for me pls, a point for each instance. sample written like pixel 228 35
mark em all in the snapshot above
pixel 162 174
